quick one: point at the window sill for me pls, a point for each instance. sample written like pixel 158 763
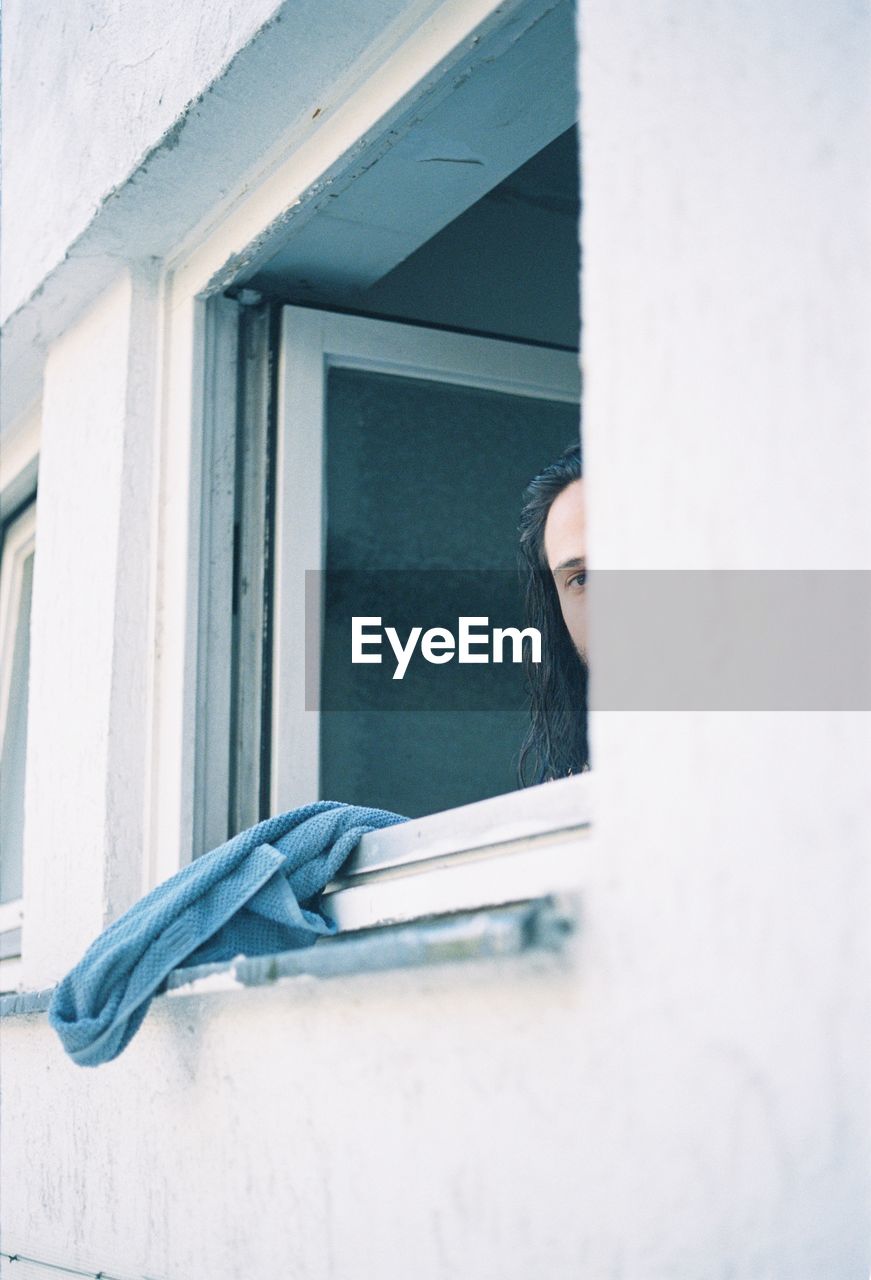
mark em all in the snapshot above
pixel 492 878
pixel 545 924
pixel 511 848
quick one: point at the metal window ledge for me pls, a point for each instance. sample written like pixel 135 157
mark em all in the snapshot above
pixel 497 931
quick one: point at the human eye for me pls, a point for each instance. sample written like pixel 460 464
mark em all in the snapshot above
pixel 577 580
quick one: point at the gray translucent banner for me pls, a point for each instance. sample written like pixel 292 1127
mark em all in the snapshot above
pixel 730 640
pixel 660 640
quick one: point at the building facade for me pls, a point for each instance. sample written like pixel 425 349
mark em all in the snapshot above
pixel 615 1025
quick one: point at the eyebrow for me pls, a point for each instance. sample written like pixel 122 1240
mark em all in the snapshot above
pixel 576 562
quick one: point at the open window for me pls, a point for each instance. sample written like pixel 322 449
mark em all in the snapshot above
pixel 16 591
pixel 399 446
pixel 398 365
pixel 403 453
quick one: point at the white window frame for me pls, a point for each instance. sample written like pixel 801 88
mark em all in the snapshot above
pixel 314 342
pixel 189 680
pixel 18 472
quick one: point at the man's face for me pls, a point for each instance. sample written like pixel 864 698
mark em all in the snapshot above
pixel 565 547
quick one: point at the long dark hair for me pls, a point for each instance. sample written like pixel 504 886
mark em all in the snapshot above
pixel 556 741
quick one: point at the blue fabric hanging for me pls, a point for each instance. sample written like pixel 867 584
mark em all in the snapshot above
pixel 252 896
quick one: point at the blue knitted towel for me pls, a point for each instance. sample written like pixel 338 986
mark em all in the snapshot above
pixel 254 895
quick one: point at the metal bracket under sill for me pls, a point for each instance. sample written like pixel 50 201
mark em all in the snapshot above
pixel 545 923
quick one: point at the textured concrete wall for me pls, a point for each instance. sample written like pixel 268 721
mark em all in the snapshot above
pixel 417 1122
pixel 727 332
pixel 118 158
pixel 727 182
pixel 88 89
pixel 87 716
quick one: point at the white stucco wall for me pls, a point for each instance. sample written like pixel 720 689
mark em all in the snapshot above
pixel 142 150
pixel 87 712
pixel 416 1122
pixel 727 331
pixel 727 307
pixel 88 90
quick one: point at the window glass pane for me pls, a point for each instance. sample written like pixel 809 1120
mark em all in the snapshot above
pixel 426 476
pixel 14 748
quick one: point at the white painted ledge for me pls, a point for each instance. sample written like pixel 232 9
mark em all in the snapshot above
pixel 512 848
